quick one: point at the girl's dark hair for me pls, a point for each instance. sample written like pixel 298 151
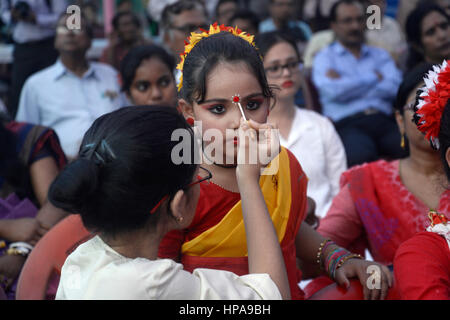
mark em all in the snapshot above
pixel 208 53
pixel 124 169
pixel 444 137
pixel 134 58
pixel 265 41
pixel 410 81
pixel 413 30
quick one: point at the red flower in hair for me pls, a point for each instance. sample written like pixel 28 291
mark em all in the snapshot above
pixel 434 100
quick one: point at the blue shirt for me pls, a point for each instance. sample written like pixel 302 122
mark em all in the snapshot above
pixel 69 104
pixel 358 87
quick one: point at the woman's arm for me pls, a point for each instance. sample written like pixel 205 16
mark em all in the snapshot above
pixel 264 252
pixel 308 242
pixel 42 173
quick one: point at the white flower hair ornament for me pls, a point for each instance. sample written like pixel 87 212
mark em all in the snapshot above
pixel 432 101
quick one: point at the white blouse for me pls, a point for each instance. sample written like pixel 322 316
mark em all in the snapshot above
pixel 319 149
pixel 94 271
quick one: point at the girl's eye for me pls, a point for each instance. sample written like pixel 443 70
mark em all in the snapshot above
pixel 164 82
pixel 254 105
pixel 218 109
pixel 143 86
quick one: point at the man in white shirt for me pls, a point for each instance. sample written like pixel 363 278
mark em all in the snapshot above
pixel 33 23
pixel 72 93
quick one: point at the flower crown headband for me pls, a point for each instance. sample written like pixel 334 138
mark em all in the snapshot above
pixel 196 37
pixel 435 95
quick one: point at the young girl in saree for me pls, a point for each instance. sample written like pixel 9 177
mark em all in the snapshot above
pixel 218 66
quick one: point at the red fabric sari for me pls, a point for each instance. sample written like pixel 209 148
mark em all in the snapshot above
pixel 214 205
pixel 385 213
pixel 374 210
pixel 429 255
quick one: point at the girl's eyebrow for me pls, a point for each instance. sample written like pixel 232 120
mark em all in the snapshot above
pixel 222 100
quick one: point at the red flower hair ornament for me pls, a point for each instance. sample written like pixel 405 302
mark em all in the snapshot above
pixel 432 101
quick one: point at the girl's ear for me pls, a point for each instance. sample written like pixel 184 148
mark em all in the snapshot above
pixel 185 108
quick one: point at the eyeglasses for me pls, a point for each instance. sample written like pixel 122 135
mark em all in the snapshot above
pixel 410 106
pixel 189 28
pixel 348 21
pixel 203 176
pixel 277 71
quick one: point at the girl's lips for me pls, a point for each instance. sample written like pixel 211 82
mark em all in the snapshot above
pixel 287 84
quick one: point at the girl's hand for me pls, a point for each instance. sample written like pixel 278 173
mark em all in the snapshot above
pixel 360 269
pixel 259 144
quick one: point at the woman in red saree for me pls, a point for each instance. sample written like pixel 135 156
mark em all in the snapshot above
pixel 382 204
pixel 222 71
pixel 422 264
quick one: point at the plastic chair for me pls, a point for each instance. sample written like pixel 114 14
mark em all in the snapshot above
pixel 354 292
pixel 47 258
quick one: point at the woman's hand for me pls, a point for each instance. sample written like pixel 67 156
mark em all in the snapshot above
pixel 259 144
pixel 361 269
pixel 23 230
pixel 10 267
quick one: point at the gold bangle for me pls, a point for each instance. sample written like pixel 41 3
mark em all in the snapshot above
pixel 350 256
pixel 16 252
pixel 320 253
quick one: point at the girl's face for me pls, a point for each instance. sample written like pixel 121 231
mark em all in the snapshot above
pixel 153 84
pixel 436 37
pixel 283 70
pixel 218 112
pixel 409 128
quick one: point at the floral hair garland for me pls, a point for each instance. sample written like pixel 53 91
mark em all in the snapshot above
pixel 196 37
pixel 432 101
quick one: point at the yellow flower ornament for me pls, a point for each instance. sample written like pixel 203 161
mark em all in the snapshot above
pixel 197 36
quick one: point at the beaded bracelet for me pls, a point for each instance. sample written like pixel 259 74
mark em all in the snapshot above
pixel 320 252
pixel 334 259
pixel 19 249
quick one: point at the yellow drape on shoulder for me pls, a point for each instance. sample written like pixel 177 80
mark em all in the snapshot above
pixel 227 238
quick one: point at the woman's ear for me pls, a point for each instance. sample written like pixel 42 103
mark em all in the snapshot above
pixel 400 122
pixel 418 48
pixel 130 100
pixel 447 156
pixel 178 205
pixel 186 109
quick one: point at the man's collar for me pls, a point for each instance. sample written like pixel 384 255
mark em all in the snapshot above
pixel 61 70
pixel 340 49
